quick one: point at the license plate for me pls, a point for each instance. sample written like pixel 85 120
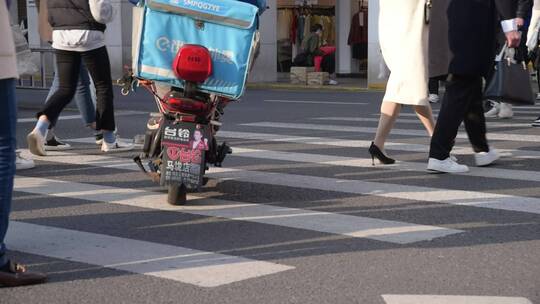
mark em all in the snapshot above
pixel 184 145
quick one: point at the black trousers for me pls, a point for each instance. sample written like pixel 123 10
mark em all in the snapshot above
pixel 462 102
pixel 328 63
pixel 99 67
pixel 434 84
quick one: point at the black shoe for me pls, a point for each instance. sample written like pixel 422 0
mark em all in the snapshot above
pixel 55 144
pixel 377 153
pixel 12 275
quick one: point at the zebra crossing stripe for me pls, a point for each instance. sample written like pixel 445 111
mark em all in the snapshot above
pixel 437 299
pixel 338 142
pixel 516 117
pixel 417 193
pixel 348 143
pixel 325 222
pixel 405 132
pixel 70 117
pixel 321 159
pixel 317 102
pixel 200 268
pixel 491 124
pixel 414 193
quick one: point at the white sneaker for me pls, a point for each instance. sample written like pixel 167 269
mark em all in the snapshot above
pixel 36 143
pixel 117 146
pixel 494 111
pixel 23 163
pixel 446 166
pixel 486 158
pixel 332 82
pixel 433 98
pixel 505 110
pixel 538 96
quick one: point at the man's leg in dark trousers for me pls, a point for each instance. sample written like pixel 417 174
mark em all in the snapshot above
pixel 475 121
pixel 461 101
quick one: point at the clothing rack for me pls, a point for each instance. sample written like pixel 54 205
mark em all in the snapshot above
pixel 311 9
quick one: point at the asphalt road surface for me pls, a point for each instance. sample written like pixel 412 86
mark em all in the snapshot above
pixel 297 214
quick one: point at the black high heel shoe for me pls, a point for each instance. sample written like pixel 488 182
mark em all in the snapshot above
pixel 376 152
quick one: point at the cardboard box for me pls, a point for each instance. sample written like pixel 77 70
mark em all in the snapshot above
pixel 299 74
pixel 318 78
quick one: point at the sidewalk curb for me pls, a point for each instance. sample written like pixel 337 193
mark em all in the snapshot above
pixel 297 87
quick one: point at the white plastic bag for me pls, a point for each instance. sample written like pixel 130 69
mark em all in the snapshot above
pixel 25 65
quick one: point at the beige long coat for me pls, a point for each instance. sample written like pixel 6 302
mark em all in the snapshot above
pixel 403 37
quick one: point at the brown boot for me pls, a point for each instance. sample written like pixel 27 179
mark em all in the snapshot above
pixel 13 275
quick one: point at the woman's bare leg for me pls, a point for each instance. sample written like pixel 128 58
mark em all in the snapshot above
pixel 425 115
pixel 389 113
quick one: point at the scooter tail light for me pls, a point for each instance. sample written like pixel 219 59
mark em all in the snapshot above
pixel 186 105
pixel 193 63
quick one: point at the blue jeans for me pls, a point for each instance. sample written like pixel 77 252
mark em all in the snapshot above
pixel 8 122
pixel 82 97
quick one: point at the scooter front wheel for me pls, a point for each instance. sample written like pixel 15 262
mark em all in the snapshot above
pixel 177 195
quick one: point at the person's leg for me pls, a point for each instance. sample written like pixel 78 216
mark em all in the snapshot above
pixel 68 71
pixel 474 120
pixel 328 65
pixel 8 120
pixel 83 98
pixel 11 274
pixel 389 113
pixel 97 63
pixel 460 91
pixel 433 86
pixel 68 64
pixel 425 115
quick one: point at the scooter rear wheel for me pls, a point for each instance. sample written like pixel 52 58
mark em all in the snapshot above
pixel 176 195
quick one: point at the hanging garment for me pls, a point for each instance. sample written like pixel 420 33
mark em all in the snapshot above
pixel 300 28
pixel 293 29
pixel 358 32
pixel 284 23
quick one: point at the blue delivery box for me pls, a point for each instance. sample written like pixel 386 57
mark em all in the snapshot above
pixel 227 28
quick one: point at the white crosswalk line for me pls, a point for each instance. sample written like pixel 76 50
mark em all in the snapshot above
pixel 200 268
pixel 516 117
pixel 516 110
pixel 71 117
pixel 366 163
pixel 417 122
pixel 345 225
pixel 316 102
pixel 339 142
pixel 437 299
pixel 415 193
pixel 405 132
pixel 418 193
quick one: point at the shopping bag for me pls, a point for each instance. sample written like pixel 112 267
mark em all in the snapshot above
pixel 25 65
pixel 511 81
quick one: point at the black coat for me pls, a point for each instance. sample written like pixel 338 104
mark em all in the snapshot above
pixel 463 35
pixel 72 15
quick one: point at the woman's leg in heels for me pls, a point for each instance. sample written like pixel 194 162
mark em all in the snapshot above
pixel 425 115
pixel 389 113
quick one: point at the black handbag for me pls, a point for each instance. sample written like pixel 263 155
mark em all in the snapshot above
pixel 511 81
